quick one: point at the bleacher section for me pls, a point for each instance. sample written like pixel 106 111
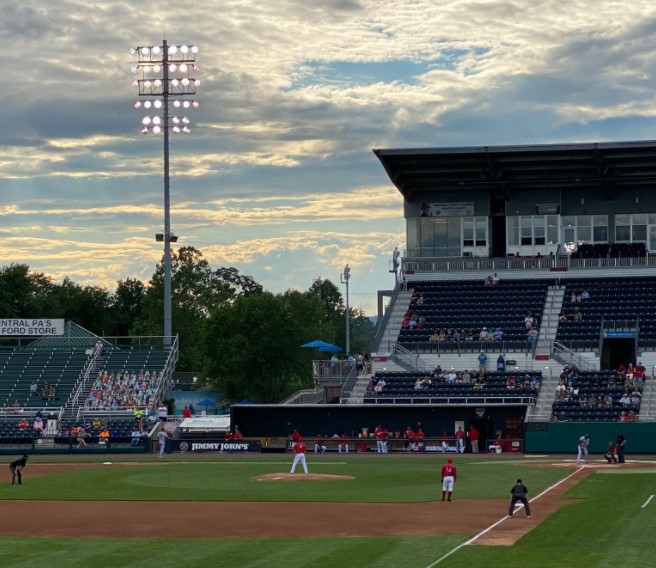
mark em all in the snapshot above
pixel 624 300
pixel 471 305
pixel 589 399
pixel 58 367
pixel 400 388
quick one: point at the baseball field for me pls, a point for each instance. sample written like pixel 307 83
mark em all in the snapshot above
pixel 351 511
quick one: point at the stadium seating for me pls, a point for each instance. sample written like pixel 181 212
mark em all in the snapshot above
pixel 471 305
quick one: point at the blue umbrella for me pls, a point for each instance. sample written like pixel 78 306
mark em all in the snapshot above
pixel 206 403
pixel 330 349
pixel 321 344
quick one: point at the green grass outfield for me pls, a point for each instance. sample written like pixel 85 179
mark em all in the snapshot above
pixel 608 526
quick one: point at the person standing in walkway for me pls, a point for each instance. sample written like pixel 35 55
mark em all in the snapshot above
pixel 473 438
pixel 162 436
pixel 519 493
pixel 584 441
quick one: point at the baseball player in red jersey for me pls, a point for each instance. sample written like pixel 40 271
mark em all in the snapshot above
pixel 299 455
pixel 449 474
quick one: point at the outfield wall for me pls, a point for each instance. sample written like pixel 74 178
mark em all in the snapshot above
pixel 562 437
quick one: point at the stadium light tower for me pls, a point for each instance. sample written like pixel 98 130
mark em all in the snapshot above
pixel 166 72
pixel 345 280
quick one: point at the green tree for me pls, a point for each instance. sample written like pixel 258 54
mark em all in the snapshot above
pixel 197 291
pixel 254 346
pixel 24 293
pixel 127 305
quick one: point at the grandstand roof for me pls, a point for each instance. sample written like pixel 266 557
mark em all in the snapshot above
pixel 610 167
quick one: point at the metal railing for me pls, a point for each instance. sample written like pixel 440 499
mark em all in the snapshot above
pixel 322 369
pixel 405 358
pixel 348 386
pixel 452 347
pixel 566 356
pixel 306 396
pixel 446 400
pixel 382 324
pixel 561 262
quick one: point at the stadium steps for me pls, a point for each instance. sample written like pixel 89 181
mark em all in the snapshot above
pixel 553 305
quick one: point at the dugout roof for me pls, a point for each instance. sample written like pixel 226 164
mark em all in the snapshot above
pixel 609 167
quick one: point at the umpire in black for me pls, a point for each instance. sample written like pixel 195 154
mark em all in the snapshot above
pixel 621 442
pixel 16 467
pixel 519 493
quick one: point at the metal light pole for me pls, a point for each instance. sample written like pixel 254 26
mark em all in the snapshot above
pixel 345 280
pixel 164 72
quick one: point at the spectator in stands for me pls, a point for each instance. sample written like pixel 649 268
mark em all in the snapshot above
pixel 501 363
pixel 482 361
pixel 585 295
pixel 378 388
pixel 528 321
pixel 466 377
pixel 104 434
pixel 470 336
pixel 419 385
pixel 81 437
pixel 451 379
pixel 532 335
pixel 370 388
pixel 511 383
pixel 457 335
pixel 434 338
pixel 498 334
pixel 136 437
pixel 34 387
pixel 631 416
pixel 38 427
pixel 483 335
pixel 488 280
pixel 186 413
pixel 437 371
pixel 23 424
pixel 562 318
pixel 640 367
pixel 577 316
pixel 495 279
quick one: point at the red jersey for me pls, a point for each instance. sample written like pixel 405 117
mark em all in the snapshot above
pixel 473 434
pixel 460 435
pixel 295 436
pixel 228 435
pixel 238 436
pixel 420 435
pixel 449 470
pixel 379 434
pixel 299 448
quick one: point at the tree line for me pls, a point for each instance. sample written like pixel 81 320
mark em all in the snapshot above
pixel 241 339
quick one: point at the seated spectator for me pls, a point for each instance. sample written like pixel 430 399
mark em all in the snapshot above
pixel 577 316
pixel 470 336
pixel 38 427
pixel 640 367
pixel 370 388
pixel 448 336
pixel 81 437
pixel 434 338
pixel 511 383
pixel 562 318
pixel 495 279
pixel 34 387
pixel 621 369
pixel 631 416
pixel 378 388
pixel 23 424
pixel 466 377
pixel 488 280
pixel 498 334
pixel 104 434
pixel 483 335
pixel 418 384
pixel 136 437
pixel 529 321
pixel 451 378
pixel 585 295
pixel 457 335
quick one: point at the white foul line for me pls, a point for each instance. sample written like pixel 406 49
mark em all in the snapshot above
pixel 647 501
pixel 488 529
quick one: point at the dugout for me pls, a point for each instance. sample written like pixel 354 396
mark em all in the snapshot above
pixel 275 421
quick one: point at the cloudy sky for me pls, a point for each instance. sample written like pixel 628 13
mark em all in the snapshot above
pixel 278 177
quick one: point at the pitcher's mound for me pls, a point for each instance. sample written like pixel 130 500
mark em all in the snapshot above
pixel 301 477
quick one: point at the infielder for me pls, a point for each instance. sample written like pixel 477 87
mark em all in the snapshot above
pixel 16 467
pixel 299 455
pixel 584 441
pixel 449 474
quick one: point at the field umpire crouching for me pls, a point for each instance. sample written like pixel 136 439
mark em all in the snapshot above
pixel 519 493
pixel 16 467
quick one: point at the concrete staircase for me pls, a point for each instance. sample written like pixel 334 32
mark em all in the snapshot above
pixel 553 305
pixel 391 332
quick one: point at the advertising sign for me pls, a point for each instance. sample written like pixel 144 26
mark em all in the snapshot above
pixel 31 327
